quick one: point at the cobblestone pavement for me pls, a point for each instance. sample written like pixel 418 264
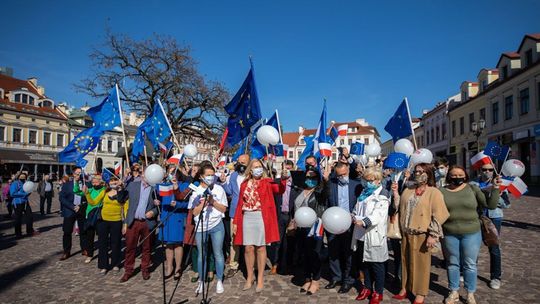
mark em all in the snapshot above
pixel 30 272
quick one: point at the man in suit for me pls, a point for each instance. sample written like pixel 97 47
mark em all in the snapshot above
pixel 46 193
pixel 343 192
pixel 232 188
pixel 140 220
pixel 279 253
pixel 72 202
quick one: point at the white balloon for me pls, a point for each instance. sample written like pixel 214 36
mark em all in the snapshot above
pixel 29 187
pixel 267 135
pixel 373 149
pixel 154 174
pixel 513 167
pixel 336 220
pixel 421 155
pixel 305 217
pixel 361 159
pixel 404 146
pixel 190 150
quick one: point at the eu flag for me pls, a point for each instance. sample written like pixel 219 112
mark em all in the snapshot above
pixel 106 175
pixel 308 151
pixel 244 111
pixel 334 134
pixel 495 151
pixel 396 160
pixel 399 126
pixel 240 150
pixel 82 144
pixel 357 148
pixel 158 129
pixel 106 115
pixel 257 149
pixel 137 148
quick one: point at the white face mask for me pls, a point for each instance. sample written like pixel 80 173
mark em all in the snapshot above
pixel 257 172
pixel 208 180
pixel 442 172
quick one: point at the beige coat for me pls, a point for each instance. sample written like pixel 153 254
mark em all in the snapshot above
pixel 431 204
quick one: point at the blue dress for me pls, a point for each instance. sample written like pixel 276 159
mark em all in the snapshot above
pixel 173 229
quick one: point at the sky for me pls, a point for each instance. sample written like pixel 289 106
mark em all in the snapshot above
pixel 364 57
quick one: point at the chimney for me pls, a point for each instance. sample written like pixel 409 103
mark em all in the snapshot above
pixel 41 90
pixel 362 122
pixel 63 108
pixel 33 81
pixel 300 129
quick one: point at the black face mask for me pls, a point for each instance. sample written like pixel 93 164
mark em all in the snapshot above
pixel 22 180
pixel 240 168
pixel 98 187
pixel 456 181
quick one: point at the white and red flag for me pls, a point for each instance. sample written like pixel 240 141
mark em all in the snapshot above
pixel 325 149
pixel 117 168
pixel 165 190
pixel 517 187
pixel 479 160
pixel 342 130
pixel 176 159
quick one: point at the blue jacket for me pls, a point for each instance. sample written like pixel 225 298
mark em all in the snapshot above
pixel 17 193
pixel 66 197
pixel 355 188
pixel 232 189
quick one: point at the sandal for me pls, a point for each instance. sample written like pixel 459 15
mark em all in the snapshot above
pixel 306 286
pixel 177 275
pixel 313 288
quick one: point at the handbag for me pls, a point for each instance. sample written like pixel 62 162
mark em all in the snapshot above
pixel 93 217
pixel 393 231
pixel 490 235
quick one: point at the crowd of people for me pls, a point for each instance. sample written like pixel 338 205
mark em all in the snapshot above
pixel 242 218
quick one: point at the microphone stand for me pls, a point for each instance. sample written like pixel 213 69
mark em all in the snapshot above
pixel 204 250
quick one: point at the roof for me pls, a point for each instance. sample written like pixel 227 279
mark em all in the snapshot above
pixel 510 55
pixel 291 138
pixel 535 37
pixel 13 84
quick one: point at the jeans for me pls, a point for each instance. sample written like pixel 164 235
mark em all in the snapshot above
pixel 495 268
pixel 374 272
pixel 462 250
pixel 340 255
pixel 216 234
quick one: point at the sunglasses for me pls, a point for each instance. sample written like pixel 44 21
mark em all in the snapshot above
pixel 487 170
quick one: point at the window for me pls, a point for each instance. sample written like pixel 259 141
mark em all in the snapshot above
pixel 17 135
pixel 504 72
pixel 471 120
pixel 453 128
pixel 109 145
pixel 443 131
pixel 2 133
pixel 432 135
pixel 483 113
pixel 366 141
pixel 495 112
pixel 118 145
pixel 88 123
pixel 437 134
pixel 291 154
pixel 484 84
pixel 342 142
pixel 334 156
pixel 100 146
pixel 46 138
pixel 59 140
pixel 350 141
pixel 508 107
pixel 47 104
pixel 32 136
pixel 524 101
pixel 427 137
pixel 528 58
pixel 461 125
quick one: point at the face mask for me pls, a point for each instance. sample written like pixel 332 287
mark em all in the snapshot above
pixel 487 175
pixel 22 179
pixel 442 172
pixel 208 180
pixel 257 172
pixel 170 177
pixel 343 179
pixel 98 187
pixel 311 183
pixel 371 185
pixel 421 179
pixel 457 181
pixel 113 186
pixel 240 168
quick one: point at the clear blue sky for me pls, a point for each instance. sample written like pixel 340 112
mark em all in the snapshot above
pixel 363 56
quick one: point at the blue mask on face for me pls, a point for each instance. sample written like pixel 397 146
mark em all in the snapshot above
pixel 371 186
pixel 311 183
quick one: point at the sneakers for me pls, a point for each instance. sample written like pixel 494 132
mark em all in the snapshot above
pixel 453 297
pixel 116 269
pixel 470 298
pixel 199 288
pixel 495 284
pixel 219 287
pixel 103 271
pixel 88 260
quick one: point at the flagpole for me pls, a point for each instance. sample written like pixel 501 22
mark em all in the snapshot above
pixel 279 127
pixel 122 123
pixel 410 122
pixel 94 163
pixel 169 124
pixel 145 155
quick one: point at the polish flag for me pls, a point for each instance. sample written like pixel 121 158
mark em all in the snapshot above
pixel 505 182
pixel 165 190
pixel 479 160
pixel 175 159
pixel 222 161
pixel 285 150
pixel 117 169
pixel 325 149
pixel 342 130
pixel 517 187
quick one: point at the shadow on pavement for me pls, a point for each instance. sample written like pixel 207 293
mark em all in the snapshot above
pixel 521 225
pixel 11 277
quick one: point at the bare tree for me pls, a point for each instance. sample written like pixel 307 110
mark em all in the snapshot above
pixel 158 67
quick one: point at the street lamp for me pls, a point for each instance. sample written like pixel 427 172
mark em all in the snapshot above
pixel 478 128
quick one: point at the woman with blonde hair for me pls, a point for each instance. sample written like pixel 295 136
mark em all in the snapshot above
pixel 422 213
pixel 255 219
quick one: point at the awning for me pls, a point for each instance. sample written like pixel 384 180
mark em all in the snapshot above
pixel 28 157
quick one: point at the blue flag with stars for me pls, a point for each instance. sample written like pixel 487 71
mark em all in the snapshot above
pixel 495 151
pixel 396 160
pixel 158 130
pixel 399 125
pixel 106 175
pixel 357 148
pixel 106 115
pixel 82 144
pixel 137 148
pixel 244 111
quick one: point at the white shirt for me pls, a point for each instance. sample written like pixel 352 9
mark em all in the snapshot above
pixel 211 216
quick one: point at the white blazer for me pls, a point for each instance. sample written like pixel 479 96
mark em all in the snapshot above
pixel 373 211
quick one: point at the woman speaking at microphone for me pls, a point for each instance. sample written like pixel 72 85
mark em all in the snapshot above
pixel 211 206
pixel 256 219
